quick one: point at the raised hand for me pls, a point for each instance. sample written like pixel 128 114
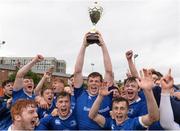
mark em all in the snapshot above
pixel 101 41
pixel 145 81
pixel 38 58
pixel 129 54
pixel 167 81
pixel 85 43
pixel 103 90
pixel 68 90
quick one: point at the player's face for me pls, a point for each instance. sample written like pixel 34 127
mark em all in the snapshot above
pixel 48 96
pixel 131 90
pixel 8 88
pixel 116 93
pixel 63 104
pixel 58 86
pixel 120 111
pixel 28 85
pixel 29 118
pixel 93 85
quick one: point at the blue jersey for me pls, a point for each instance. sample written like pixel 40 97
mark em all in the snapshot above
pixel 56 123
pixel 129 124
pixel 84 103
pixel 20 94
pixel 141 94
pixel 44 112
pixel 73 102
pixel 5 119
pixel 137 108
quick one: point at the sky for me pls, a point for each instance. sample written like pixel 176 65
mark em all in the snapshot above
pixel 55 28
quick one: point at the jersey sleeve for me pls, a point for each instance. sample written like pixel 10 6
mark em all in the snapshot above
pixel 44 123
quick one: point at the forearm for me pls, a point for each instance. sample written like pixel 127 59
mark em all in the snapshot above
pixel 95 107
pixel 78 78
pixel 21 73
pixel 166 113
pixel 80 60
pixel 153 110
pixel 38 88
pixel 132 68
pixel 107 64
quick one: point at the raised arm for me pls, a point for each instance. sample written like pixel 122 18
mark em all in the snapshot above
pixel 93 113
pixel 166 112
pixel 78 77
pixel 18 84
pixel 45 77
pixel 132 67
pixel 146 83
pixel 109 76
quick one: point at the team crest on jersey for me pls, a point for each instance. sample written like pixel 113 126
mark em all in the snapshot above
pixel 89 97
pixel 73 123
pixel 57 122
pixel 130 111
pixel 112 126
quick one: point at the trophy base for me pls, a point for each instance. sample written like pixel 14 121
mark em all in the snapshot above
pixel 92 38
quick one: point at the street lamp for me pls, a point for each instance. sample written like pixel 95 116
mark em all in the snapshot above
pixel 135 56
pixel 92 65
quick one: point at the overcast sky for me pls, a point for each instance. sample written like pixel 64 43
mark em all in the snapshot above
pixel 55 28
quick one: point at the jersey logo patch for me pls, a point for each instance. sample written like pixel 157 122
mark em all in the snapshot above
pixel 57 122
pixel 73 123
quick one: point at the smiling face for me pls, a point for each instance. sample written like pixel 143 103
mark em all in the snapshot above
pixel 28 85
pixel 63 104
pixel 120 110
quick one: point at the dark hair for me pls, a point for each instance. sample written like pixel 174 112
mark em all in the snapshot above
pixel 130 79
pixel 6 82
pixel 71 76
pixel 95 74
pixel 157 73
pixel 63 94
pixel 120 99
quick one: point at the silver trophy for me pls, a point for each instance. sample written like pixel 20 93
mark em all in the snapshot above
pixel 95 13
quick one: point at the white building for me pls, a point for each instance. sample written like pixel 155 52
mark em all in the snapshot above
pixel 59 65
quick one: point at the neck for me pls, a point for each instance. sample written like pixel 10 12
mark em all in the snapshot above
pixel 131 101
pixel 15 127
pixel 28 93
pixel 7 95
pixel 65 117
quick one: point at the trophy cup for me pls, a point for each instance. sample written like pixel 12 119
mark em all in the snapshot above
pixel 95 13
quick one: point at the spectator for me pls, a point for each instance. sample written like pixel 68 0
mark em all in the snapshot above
pixel 5 104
